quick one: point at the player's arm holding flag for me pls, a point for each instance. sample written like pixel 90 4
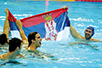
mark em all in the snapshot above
pixel 74 33
pixel 6 28
pixel 22 34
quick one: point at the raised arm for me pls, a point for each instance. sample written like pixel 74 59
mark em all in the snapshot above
pixel 74 33
pixel 6 24
pixel 22 34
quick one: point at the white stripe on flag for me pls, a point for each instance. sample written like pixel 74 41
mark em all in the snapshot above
pixel 15 33
pixel 64 34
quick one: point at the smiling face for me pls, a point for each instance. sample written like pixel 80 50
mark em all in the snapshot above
pixel 88 33
pixel 38 40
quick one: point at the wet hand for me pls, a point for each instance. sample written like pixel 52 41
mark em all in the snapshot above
pixel 65 7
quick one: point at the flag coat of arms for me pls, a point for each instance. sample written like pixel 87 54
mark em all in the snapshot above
pixel 52 25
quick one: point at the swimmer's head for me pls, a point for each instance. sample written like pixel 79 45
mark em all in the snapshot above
pixel 15 44
pixel 89 32
pixel 34 38
pixel 3 39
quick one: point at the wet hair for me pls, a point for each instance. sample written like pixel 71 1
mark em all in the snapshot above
pixel 31 36
pixel 14 43
pixel 3 39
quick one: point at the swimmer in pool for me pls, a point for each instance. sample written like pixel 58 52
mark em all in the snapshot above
pixel 4 40
pixel 14 49
pixel 34 40
pixel 89 32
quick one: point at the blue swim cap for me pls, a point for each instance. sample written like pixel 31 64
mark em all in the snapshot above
pixel 91 28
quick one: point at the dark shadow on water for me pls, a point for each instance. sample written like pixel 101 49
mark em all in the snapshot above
pixel 12 63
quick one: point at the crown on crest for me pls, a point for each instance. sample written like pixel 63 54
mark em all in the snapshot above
pixel 47 17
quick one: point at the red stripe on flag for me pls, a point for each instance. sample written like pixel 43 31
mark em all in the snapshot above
pixel 11 17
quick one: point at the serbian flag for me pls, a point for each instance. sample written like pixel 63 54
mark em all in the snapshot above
pixel 52 25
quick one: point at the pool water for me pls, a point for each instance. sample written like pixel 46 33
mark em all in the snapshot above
pixel 81 15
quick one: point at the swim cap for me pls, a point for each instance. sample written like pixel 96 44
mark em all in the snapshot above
pixel 91 28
